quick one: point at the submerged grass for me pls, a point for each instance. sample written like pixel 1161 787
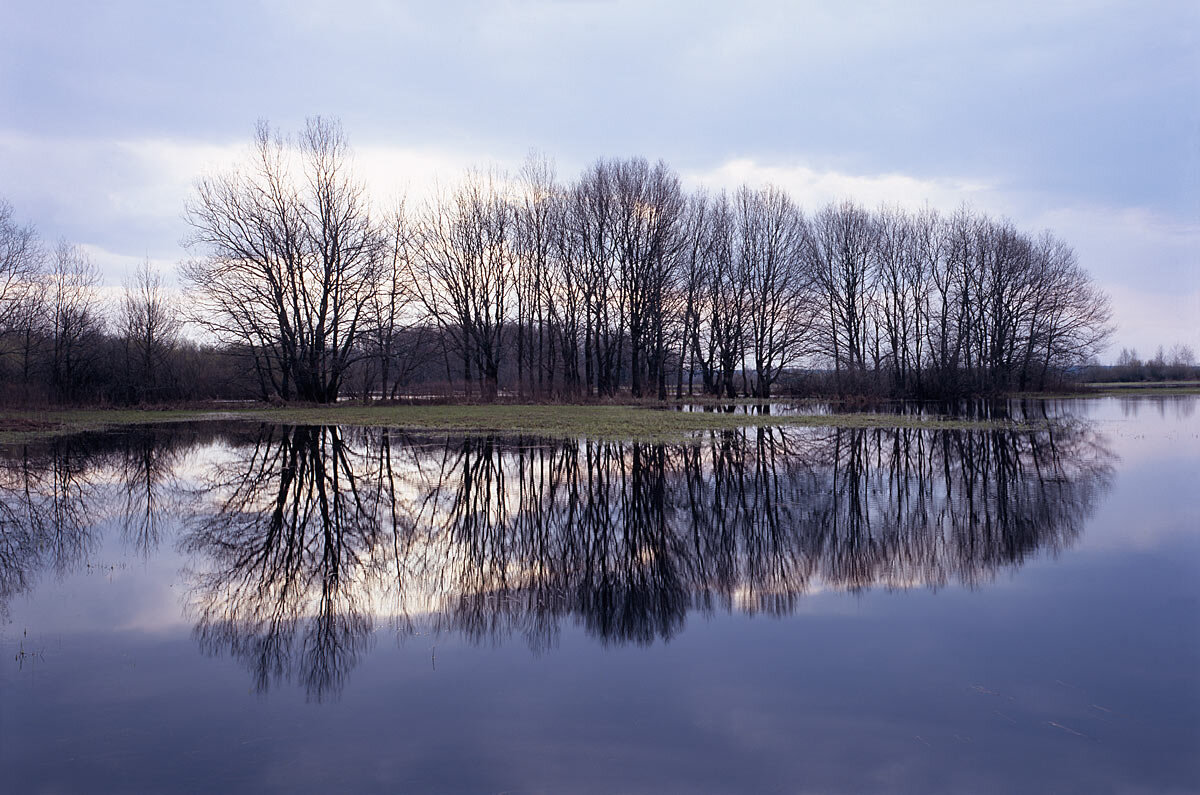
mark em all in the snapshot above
pixel 596 421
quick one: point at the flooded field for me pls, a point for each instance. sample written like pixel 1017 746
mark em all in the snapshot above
pixel 237 607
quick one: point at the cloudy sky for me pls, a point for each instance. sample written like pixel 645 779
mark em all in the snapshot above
pixel 1079 117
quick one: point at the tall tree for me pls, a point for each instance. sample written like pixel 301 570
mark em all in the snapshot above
pixel 778 283
pixel 535 242
pixel 843 237
pixel 22 260
pixel 289 258
pixel 148 325
pixel 396 340
pixel 464 277
pixel 75 322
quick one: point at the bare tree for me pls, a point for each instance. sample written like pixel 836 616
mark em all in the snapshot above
pixel 536 241
pixel 21 263
pixel 647 209
pixel 149 326
pixel 288 261
pixel 611 281
pixel 397 338
pixel 1182 355
pixel 695 256
pixel 843 238
pixel 22 294
pixel 591 219
pixel 894 258
pixel 779 307
pixel 463 274
pixel 727 299
pixel 75 322
pixel 1078 321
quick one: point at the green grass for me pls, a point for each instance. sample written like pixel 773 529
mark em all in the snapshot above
pixel 596 421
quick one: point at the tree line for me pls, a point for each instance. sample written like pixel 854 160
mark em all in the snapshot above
pixel 63 341
pixel 618 281
pixel 1176 364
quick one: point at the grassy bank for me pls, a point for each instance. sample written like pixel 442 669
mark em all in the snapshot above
pixel 597 421
pixel 1141 388
pixel 1126 389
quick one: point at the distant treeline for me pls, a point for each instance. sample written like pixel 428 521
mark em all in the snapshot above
pixel 1176 364
pixel 61 343
pixel 619 280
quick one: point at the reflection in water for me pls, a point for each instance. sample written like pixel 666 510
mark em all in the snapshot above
pixel 44 518
pixel 55 498
pixel 1162 405
pixel 146 465
pixel 289 546
pixel 303 539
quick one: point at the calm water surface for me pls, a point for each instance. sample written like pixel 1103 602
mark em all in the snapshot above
pixel 247 608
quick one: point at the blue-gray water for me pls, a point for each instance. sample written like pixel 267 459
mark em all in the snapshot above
pixel 243 608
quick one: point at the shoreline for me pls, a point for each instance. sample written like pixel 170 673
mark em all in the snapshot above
pixel 599 421
pixel 648 420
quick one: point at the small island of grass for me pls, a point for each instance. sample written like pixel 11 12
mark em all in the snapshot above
pixel 601 421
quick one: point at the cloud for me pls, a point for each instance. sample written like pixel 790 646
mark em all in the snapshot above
pixel 1131 247
pixel 123 199
pixel 118 267
pixel 813 188
pixel 1147 262
pixel 1146 319
pixel 415 173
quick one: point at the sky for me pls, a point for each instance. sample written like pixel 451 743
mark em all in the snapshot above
pixel 1079 117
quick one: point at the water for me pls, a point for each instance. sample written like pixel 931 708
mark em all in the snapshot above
pixel 244 607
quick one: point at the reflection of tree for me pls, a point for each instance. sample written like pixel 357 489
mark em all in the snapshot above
pixel 908 507
pixel 290 548
pixel 301 537
pixel 55 496
pixel 627 537
pixel 540 531
pixel 146 471
pixel 44 520
pixel 1179 406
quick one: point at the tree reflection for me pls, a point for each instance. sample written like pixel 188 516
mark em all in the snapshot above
pixel 56 498
pixel 44 520
pixel 304 540
pixel 310 535
pixel 627 538
pixel 146 463
pixel 290 546
pixel 539 531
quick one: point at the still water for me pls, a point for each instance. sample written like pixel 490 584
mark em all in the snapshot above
pixel 250 607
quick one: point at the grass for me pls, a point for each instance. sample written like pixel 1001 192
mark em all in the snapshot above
pixel 27 425
pixel 1121 389
pixel 1141 388
pixel 596 421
